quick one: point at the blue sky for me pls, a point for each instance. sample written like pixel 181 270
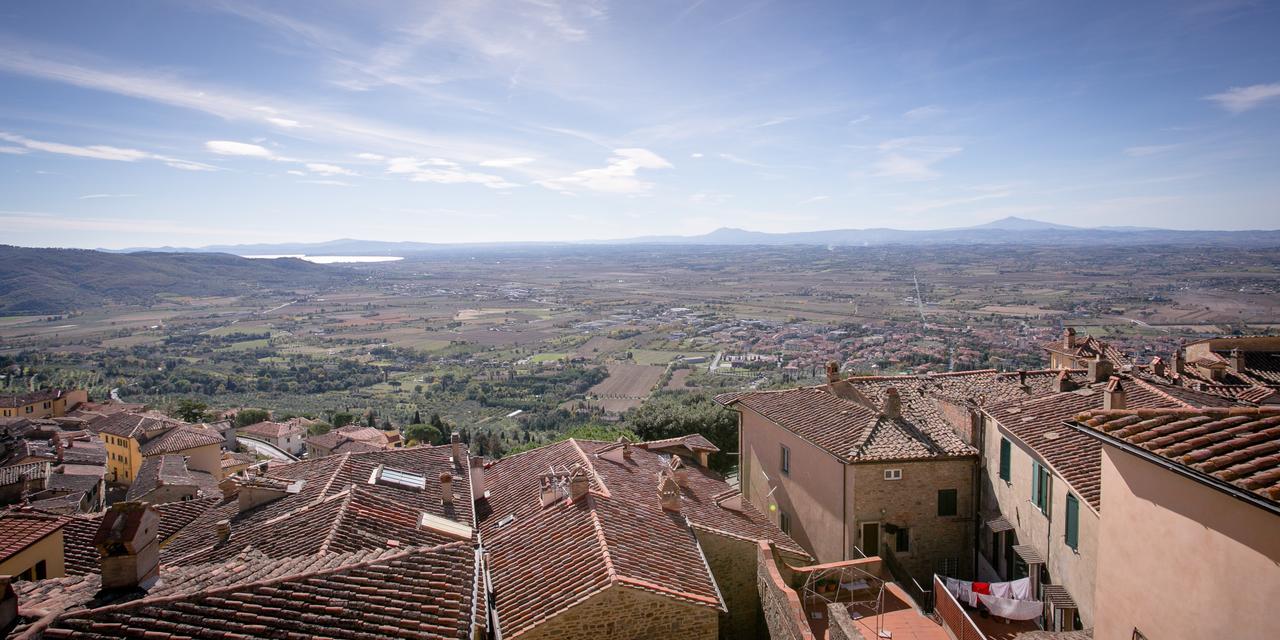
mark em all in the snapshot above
pixel 193 123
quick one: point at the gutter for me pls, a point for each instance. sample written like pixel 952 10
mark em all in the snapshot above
pixel 1182 470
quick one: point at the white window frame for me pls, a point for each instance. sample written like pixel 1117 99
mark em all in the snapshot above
pixel 893 474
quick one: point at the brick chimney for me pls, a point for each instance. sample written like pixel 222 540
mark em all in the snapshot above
pixel 892 404
pixel 1063 382
pixel 626 447
pixel 127 541
pixel 833 372
pixel 1158 366
pixel 1099 369
pixel 1069 338
pixel 1113 396
pixel 446 488
pixel 477 478
pixel 1179 360
pixel 455 441
pixel 1236 360
pixel 579 484
pixel 223 529
pixel 1022 378
pixel 669 492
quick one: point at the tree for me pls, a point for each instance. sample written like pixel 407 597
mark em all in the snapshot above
pixel 190 410
pixel 342 419
pixel 371 418
pixel 318 428
pixel 417 417
pixel 419 433
pixel 246 417
pixel 670 414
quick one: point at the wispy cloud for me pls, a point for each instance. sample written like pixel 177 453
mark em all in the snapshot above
pixel 371 156
pixel 506 162
pixel 328 169
pixel 1149 150
pixel 332 183
pixel 618 176
pixel 233 148
pixel 921 113
pixel 911 158
pixel 102 152
pixel 1241 99
pixel 97 196
pixel 15 151
pixel 441 171
pixel 814 199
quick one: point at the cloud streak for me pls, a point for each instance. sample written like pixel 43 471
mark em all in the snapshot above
pixel 618 176
pixel 102 152
pixel 1241 99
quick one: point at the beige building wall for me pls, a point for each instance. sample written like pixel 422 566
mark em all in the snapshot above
pixel 1179 559
pixel 207 458
pixel 812 494
pixel 623 613
pixel 912 502
pixel 48 549
pixel 1075 569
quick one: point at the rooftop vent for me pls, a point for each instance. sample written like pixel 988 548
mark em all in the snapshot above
pixel 444 526
pixel 506 521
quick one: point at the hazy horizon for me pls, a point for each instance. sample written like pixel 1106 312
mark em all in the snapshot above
pixel 195 124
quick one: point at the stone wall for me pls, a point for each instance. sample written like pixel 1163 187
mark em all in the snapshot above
pixel 840 625
pixel 623 613
pixel 783 613
pixel 912 502
pixel 733 564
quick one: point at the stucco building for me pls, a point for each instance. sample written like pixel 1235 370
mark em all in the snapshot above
pixel 46 403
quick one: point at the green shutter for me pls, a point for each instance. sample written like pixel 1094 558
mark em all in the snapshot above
pixel 1073 522
pixel 1004 459
pixel 1035 483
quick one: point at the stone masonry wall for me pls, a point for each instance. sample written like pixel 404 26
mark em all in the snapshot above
pixel 624 613
pixel 840 625
pixel 733 564
pixel 783 613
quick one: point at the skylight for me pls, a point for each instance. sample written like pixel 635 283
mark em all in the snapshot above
pixel 398 478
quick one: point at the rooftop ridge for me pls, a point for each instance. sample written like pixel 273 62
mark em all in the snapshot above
pixel 337 521
pixel 586 459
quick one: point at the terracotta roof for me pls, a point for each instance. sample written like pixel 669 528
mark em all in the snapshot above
pixel 1089 347
pixel 693 442
pixel 81 554
pixel 133 425
pixel 545 559
pixel 171 470
pixel 22 472
pixel 1238 446
pixel 268 429
pixel 14 400
pixel 181 438
pixel 415 593
pixel 1038 423
pixel 23 529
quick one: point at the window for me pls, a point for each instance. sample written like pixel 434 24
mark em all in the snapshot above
pixel 784 521
pixel 903 540
pixel 946 502
pixel 893 474
pixel 1041 487
pixel 1073 522
pixel 786 460
pixel 1005 455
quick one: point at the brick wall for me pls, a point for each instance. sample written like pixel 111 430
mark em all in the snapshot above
pixel 623 613
pixel 783 613
pixel 912 502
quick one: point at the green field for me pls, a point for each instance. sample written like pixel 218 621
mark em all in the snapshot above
pixel 656 357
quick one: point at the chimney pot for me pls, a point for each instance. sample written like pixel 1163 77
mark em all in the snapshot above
pixel 833 372
pixel 579 484
pixel 1022 378
pixel 1063 382
pixel 477 478
pixel 446 488
pixel 679 471
pixel 1069 338
pixel 455 441
pixel 669 492
pixel 1099 369
pixel 128 544
pixel 1179 360
pixel 1113 396
pixel 892 404
pixel 223 527
pixel 1236 361
pixel 1157 366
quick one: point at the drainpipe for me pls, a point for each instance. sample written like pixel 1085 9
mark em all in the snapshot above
pixel 844 510
pixel 977 489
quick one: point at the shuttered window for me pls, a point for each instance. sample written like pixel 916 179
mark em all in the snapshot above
pixel 1005 455
pixel 946 502
pixel 1073 522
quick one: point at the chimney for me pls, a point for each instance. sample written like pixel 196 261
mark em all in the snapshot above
pixel 477 478
pixel 626 447
pixel 446 488
pixel 8 603
pixel 127 542
pixel 1069 338
pixel 1236 361
pixel 679 471
pixel 579 484
pixel 223 528
pixel 1157 366
pixel 892 404
pixel 1113 396
pixel 455 441
pixel 669 492
pixel 1099 369
pixel 1022 378
pixel 229 487
pixel 1063 382
pixel 58 447
pixel 833 372
pixel 1179 360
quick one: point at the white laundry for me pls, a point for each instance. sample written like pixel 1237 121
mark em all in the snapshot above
pixel 953 586
pixel 1012 609
pixel 1021 589
pixel 1002 590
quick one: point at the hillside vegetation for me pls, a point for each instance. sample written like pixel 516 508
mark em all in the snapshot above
pixel 37 281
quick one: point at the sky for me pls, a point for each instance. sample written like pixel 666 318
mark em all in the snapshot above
pixel 194 123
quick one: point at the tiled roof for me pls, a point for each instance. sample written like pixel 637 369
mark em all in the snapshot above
pixel 14 400
pixel 22 472
pixel 1038 423
pixel 544 560
pixel 87 449
pixel 693 442
pixel 268 429
pixel 328 512
pixel 1089 347
pixel 1239 446
pixel 413 593
pixel 80 552
pixel 23 529
pixel 171 470
pixel 181 438
pixel 132 425
pixel 350 439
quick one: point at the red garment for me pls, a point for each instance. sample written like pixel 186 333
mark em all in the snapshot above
pixel 982 587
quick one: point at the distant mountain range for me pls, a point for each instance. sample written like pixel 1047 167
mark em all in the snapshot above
pixel 48 281
pixel 1011 230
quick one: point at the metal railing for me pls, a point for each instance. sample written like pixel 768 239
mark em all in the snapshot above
pixel 923 597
